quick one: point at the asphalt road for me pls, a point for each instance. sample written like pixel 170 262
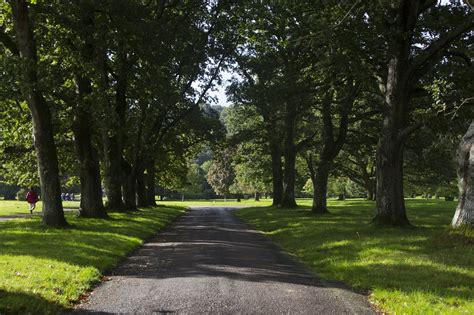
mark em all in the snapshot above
pixel 209 261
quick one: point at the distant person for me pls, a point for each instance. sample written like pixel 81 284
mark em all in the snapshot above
pixel 32 199
pixel 63 196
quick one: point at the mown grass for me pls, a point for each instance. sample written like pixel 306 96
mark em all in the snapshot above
pixel 13 207
pixel 46 270
pixel 217 202
pixel 427 269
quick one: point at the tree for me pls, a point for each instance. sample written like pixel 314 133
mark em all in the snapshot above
pixel 464 215
pixel 331 144
pixel 410 55
pixel 252 157
pixel 40 112
pixel 221 173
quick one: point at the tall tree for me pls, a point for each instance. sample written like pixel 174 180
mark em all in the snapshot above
pixel 221 173
pixel 331 143
pixel 406 64
pixel 464 215
pixel 43 133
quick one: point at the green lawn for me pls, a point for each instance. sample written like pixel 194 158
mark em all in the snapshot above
pixel 217 202
pixel 424 270
pixel 46 270
pixel 12 207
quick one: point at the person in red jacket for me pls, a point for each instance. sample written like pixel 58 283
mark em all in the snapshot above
pixel 32 199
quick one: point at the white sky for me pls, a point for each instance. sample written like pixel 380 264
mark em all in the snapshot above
pixel 219 93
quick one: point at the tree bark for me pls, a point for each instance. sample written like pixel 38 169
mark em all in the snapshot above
pixel 150 183
pixel 112 135
pixel 89 170
pixel 390 205
pixel 277 175
pixel 331 146
pixel 403 70
pixel 45 147
pixel 370 193
pixel 464 215
pixel 288 200
pixel 129 187
pixel 112 171
pixel 141 190
pixel 320 186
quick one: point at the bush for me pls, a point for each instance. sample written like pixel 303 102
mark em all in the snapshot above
pixel 21 194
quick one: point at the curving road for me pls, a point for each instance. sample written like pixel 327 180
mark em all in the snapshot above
pixel 209 261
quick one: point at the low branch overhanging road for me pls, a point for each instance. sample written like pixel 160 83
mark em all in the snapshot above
pixel 209 261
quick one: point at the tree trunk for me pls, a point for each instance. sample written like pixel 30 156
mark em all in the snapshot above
pixel 289 175
pixel 141 190
pixel 464 215
pixel 277 178
pixel 150 183
pixel 257 196
pixel 112 171
pixel 129 187
pixel 45 147
pixel 320 186
pixel 89 169
pixel 370 193
pixel 112 133
pixel 87 155
pixel 390 206
pixel 288 200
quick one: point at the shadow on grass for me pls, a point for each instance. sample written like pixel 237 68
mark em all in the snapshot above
pixel 88 242
pixel 14 303
pixel 424 260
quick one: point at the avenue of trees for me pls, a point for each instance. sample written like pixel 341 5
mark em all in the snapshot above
pixel 119 86
pixel 371 96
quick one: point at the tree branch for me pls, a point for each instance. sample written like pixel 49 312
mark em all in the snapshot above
pixel 441 43
pixel 461 55
pixel 8 41
pixel 409 130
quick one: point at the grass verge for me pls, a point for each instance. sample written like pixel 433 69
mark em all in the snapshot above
pixel 45 270
pixel 217 202
pixel 13 207
pixel 424 270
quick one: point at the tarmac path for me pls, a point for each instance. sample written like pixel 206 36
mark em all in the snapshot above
pixel 209 261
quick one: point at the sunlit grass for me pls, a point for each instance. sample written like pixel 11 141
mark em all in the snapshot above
pixel 428 269
pixel 13 207
pixel 46 270
pixel 217 202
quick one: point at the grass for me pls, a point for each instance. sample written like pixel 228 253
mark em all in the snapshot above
pixel 12 207
pixel 428 269
pixel 45 270
pixel 217 202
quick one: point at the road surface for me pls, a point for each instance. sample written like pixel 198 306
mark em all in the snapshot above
pixel 209 261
